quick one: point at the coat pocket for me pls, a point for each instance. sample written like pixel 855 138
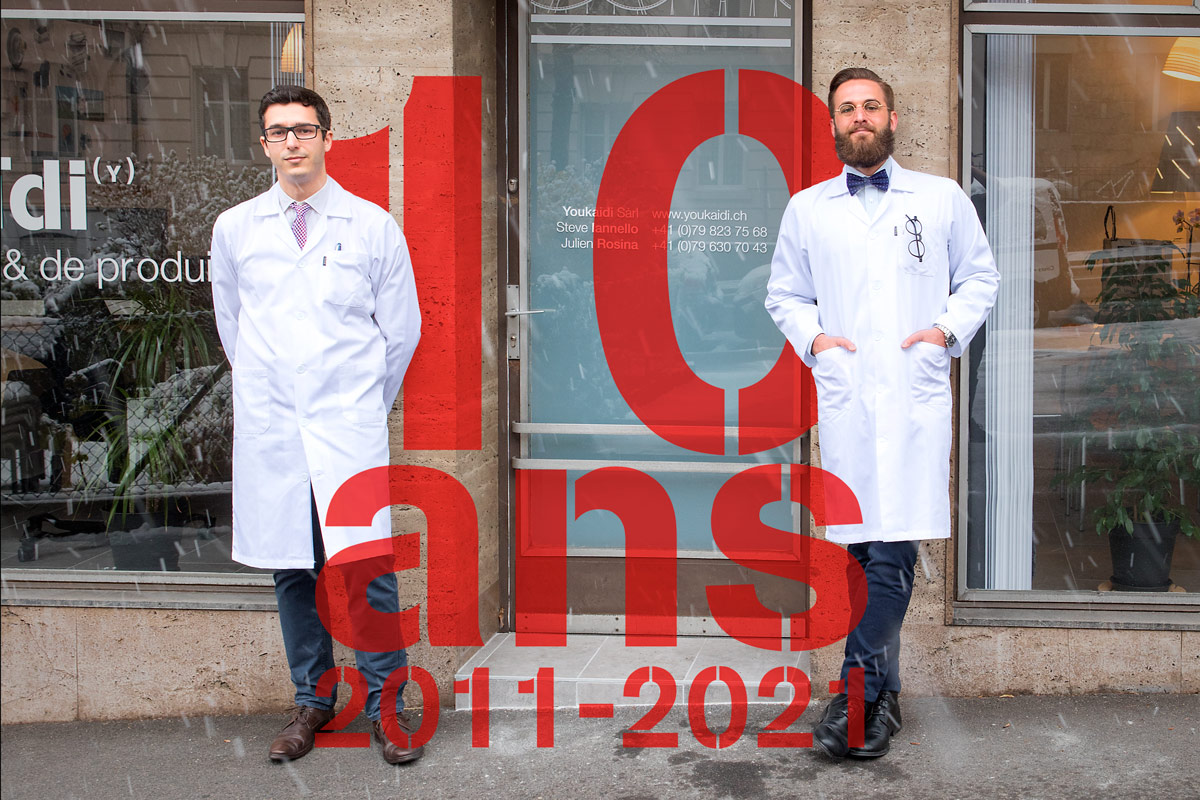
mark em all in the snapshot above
pixel 922 254
pixel 929 373
pixel 834 376
pixel 345 279
pixel 251 401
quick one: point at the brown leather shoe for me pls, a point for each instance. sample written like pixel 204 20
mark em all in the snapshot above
pixel 297 738
pixel 392 752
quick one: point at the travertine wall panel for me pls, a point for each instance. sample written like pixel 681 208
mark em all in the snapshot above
pixel 38 665
pixel 994 661
pixel 925 665
pixel 1125 661
pixel 913 46
pixel 366 54
pixel 412 37
pixel 214 663
pixel 1190 662
pixel 62 664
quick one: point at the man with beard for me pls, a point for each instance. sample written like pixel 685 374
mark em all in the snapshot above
pixel 880 275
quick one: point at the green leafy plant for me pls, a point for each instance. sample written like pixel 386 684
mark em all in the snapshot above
pixel 164 342
pixel 1143 405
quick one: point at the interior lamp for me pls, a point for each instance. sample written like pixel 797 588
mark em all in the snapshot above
pixel 1184 59
pixel 292 57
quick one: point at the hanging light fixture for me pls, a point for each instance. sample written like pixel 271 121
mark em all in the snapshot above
pixel 292 58
pixel 1184 59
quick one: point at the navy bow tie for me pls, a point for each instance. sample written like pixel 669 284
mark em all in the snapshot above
pixel 855 182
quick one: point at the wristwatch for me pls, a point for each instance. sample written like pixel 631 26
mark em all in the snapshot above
pixel 951 339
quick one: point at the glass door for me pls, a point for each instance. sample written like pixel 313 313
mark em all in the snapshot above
pixel 638 318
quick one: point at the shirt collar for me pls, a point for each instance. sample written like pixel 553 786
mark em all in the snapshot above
pixel 317 202
pixel 893 170
pixel 887 167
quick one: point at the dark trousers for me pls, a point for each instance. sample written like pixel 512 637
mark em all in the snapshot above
pixel 309 645
pixel 875 644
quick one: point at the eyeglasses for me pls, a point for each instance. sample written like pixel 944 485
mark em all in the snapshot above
pixel 916 248
pixel 870 107
pixel 302 132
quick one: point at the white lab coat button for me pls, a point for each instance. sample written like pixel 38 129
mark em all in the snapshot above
pixel 877 285
pixel 302 368
pixel 303 476
pixel 878 336
pixel 300 315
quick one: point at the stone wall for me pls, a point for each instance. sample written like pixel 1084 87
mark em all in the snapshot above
pixel 365 56
pixel 62 664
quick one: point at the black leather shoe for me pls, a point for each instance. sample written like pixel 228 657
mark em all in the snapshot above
pixel 893 711
pixel 298 736
pixel 830 734
pixel 392 752
pixel 883 722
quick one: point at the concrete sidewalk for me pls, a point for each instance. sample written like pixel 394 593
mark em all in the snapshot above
pixel 1024 747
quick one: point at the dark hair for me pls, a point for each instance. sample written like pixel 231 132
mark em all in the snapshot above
pixel 860 74
pixel 285 93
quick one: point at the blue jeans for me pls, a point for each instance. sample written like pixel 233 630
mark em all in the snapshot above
pixel 309 645
pixel 875 644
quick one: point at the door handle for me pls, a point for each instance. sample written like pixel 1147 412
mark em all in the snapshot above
pixel 513 320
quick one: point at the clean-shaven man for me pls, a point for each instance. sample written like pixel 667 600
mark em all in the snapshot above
pixel 317 310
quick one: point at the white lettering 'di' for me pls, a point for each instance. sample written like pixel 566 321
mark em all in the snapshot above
pixel 48 184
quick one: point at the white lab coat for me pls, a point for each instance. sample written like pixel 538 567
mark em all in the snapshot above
pixel 319 342
pixel 884 412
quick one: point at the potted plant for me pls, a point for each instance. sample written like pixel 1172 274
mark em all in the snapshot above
pixel 1142 410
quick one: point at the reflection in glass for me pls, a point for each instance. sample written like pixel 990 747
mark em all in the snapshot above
pixel 122 142
pixel 1084 392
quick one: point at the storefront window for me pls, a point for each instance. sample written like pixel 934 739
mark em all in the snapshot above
pixel 123 139
pixel 1084 388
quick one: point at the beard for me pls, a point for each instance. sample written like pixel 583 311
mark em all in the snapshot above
pixel 865 154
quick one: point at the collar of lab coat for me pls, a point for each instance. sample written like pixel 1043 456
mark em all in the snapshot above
pixel 336 204
pixel 899 181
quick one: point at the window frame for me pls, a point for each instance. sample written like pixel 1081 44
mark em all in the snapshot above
pixel 231 591
pixel 155 10
pixel 985 7
pixel 1044 608
pixel 228 78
